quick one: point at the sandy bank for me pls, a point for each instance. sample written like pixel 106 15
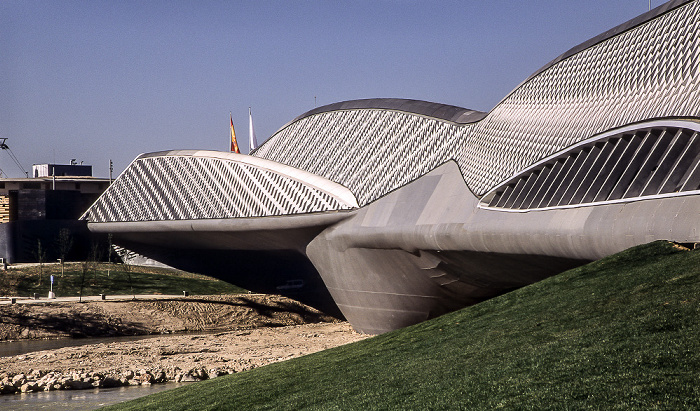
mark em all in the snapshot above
pixel 244 332
pixel 167 358
pixel 127 316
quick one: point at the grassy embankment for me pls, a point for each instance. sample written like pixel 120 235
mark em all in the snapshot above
pixel 111 279
pixel 619 333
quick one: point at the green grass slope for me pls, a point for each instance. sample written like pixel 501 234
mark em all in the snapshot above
pixel 619 333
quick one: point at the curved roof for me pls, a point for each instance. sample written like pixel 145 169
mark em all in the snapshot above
pixel 607 35
pixel 201 184
pixel 445 112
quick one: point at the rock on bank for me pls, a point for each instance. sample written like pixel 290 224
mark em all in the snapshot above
pixel 179 358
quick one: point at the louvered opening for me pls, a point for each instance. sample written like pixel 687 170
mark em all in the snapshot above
pixel 646 162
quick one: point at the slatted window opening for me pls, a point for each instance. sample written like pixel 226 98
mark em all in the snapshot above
pixel 646 162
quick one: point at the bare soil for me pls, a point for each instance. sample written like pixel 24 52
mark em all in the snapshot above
pixel 230 352
pixel 242 332
pixel 156 316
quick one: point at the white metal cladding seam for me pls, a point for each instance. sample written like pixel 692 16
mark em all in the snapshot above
pixel 186 187
pixel 650 71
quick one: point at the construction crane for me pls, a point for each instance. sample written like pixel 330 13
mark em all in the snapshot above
pixel 4 146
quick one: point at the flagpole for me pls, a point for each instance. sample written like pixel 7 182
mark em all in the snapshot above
pixel 234 143
pixel 252 138
pixel 251 145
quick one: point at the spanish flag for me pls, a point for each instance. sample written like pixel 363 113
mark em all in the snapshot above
pixel 234 144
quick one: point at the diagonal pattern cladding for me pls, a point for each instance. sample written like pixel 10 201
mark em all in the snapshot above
pixel 189 187
pixel 370 151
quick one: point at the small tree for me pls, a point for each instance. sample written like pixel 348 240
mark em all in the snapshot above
pixel 40 256
pixel 123 253
pixel 110 251
pixel 95 257
pixel 85 267
pixel 89 264
pixel 110 248
pixel 64 243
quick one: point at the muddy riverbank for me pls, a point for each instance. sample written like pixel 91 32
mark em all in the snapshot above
pixel 127 316
pixel 242 332
pixel 178 358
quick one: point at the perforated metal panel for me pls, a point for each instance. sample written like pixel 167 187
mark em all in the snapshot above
pixel 189 187
pixel 649 71
pixel 370 152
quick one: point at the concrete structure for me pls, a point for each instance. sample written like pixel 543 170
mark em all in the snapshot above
pixel 395 211
pixel 36 209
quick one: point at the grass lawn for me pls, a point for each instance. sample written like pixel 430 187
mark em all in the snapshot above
pixel 109 279
pixel 619 333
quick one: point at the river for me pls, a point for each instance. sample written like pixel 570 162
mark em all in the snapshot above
pixel 72 399
pixel 79 399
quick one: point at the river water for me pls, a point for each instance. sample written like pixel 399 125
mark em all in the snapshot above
pixel 72 399
pixel 24 346
pixel 79 399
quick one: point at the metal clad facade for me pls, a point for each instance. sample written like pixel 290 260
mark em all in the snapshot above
pixel 189 188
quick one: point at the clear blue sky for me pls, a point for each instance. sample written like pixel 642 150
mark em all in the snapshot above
pixel 100 80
